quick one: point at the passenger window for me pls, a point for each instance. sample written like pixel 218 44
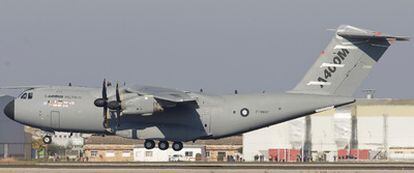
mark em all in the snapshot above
pixel 24 96
pixel 30 96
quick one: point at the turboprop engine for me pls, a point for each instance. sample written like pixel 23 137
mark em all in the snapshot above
pixel 129 104
pixel 142 105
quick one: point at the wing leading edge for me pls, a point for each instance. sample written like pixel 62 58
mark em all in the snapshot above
pixel 166 94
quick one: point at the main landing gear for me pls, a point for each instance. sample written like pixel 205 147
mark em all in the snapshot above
pixel 47 139
pixel 177 146
pixel 163 145
pixel 149 144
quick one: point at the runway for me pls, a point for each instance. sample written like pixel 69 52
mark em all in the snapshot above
pixel 206 167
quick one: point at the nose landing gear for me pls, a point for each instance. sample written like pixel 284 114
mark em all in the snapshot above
pixel 47 139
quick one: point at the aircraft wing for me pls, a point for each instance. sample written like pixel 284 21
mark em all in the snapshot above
pixel 24 87
pixel 166 94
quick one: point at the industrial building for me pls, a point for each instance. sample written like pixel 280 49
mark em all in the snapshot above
pixel 370 129
pixel 68 139
pixel 114 148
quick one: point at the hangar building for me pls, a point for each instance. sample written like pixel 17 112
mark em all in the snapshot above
pixel 370 129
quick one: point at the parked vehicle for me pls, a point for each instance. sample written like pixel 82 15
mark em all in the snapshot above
pixel 177 158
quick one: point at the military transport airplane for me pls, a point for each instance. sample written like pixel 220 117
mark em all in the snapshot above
pixel 161 114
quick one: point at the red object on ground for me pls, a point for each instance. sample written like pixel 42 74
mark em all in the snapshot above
pixel 342 153
pixel 362 154
pixel 294 155
pixel 284 155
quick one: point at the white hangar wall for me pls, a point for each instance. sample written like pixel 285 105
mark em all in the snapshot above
pixel 259 141
pixel 391 125
pixel 380 125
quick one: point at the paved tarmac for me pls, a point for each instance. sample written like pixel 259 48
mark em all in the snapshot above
pixel 123 170
pixel 205 167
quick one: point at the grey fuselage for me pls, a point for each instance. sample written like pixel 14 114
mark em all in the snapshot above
pixel 158 113
pixel 71 109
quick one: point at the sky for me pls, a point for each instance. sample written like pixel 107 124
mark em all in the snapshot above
pixel 217 45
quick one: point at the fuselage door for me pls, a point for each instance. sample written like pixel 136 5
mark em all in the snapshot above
pixel 206 120
pixel 55 119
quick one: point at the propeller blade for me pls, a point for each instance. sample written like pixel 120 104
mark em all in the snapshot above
pixel 104 103
pixel 105 115
pixel 118 110
pixel 104 96
pixel 118 98
pixel 118 117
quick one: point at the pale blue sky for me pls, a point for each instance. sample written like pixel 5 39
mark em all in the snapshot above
pixel 218 45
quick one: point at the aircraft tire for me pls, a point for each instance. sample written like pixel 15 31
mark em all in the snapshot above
pixel 47 139
pixel 163 145
pixel 149 144
pixel 177 146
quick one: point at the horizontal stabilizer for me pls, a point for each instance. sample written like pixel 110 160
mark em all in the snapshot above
pixel 357 33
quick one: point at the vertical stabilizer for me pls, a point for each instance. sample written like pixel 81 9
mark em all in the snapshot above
pixel 346 61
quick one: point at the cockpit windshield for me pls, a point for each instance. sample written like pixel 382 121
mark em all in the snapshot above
pixel 26 95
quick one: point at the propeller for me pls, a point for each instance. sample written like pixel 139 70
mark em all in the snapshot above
pixel 112 105
pixel 103 102
pixel 116 105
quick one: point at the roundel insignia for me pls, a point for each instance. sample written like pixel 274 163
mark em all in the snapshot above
pixel 244 112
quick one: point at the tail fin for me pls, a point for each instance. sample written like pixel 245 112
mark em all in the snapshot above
pixel 346 61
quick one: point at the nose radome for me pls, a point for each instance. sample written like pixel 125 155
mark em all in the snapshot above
pixel 9 110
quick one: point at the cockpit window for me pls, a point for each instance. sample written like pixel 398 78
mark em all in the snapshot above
pixel 30 96
pixel 24 96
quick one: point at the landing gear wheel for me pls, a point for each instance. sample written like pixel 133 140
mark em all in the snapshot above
pixel 149 144
pixel 47 139
pixel 177 146
pixel 163 145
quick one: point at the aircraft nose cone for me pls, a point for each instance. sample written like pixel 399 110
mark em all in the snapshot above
pixel 9 110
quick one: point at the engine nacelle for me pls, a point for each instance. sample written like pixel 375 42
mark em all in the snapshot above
pixel 143 105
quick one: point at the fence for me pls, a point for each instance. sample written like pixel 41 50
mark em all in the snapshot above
pixel 21 151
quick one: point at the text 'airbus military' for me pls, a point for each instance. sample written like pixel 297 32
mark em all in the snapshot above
pixel 161 114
